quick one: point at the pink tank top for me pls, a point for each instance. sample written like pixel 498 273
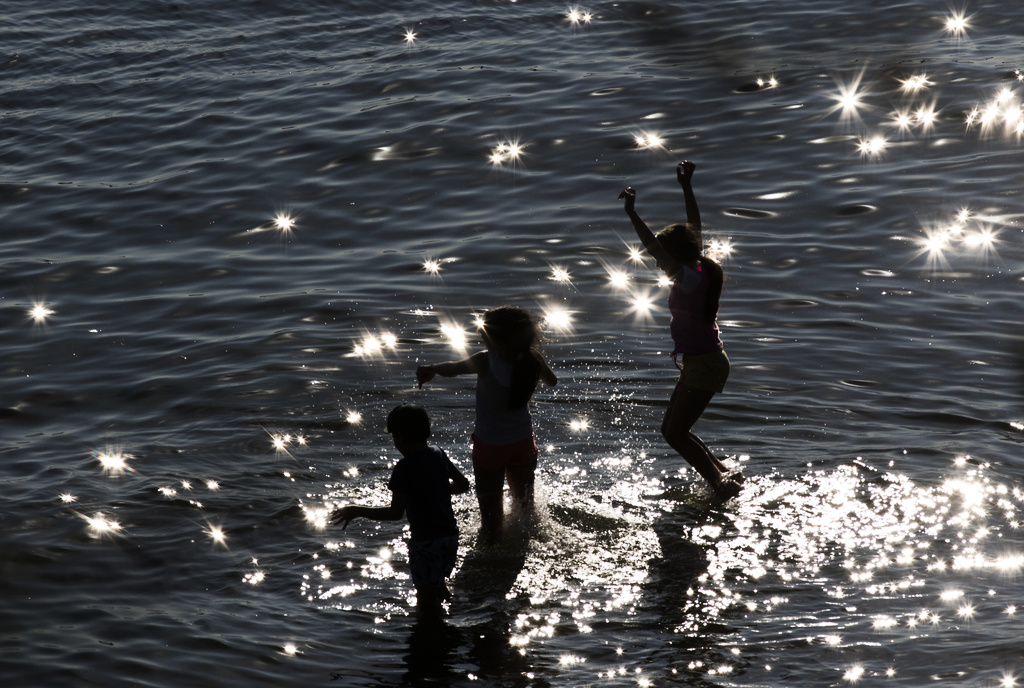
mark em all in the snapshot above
pixel 691 333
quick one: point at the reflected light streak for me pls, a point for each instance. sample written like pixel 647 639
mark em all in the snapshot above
pixel 216 533
pixel 506 152
pixel 902 120
pixel 854 673
pixel 374 345
pixel 575 16
pixel 557 318
pixel 1003 109
pixel 113 464
pixel 872 146
pixel 254 578
pixel 39 312
pixel 101 525
pixel 718 249
pixel 284 223
pixel 957 24
pixel 559 274
pixel 850 99
pixel 925 117
pixel 618 278
pixel 647 140
pixel 641 305
pixel 317 518
pixel 455 335
pixel 916 83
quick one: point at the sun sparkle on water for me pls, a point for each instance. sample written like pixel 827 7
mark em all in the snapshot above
pixel 576 16
pixel 39 312
pixel 557 318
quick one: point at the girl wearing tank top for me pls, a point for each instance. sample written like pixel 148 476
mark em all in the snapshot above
pixel 504 448
pixel 698 351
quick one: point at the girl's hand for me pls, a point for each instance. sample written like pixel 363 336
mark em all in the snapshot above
pixel 424 374
pixel 684 171
pixel 343 517
pixel 630 198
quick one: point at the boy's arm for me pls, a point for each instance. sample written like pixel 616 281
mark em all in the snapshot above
pixel 684 175
pixel 426 373
pixel 650 242
pixel 460 484
pixel 376 513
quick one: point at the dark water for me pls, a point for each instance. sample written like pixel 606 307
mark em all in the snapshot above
pixel 216 222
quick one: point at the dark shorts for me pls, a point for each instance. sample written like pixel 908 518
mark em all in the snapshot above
pixel 705 371
pixel 496 457
pixel 432 561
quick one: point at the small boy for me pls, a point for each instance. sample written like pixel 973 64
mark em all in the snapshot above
pixel 422 484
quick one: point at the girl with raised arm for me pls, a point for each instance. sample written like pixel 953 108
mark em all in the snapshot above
pixel 698 351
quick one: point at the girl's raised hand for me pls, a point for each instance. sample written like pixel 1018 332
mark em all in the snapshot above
pixel 630 198
pixel 684 171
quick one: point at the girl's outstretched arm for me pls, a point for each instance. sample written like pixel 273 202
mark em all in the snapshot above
pixel 647 237
pixel 477 363
pixel 684 175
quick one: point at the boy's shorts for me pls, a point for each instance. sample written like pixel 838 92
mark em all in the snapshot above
pixel 432 561
pixel 496 457
pixel 705 371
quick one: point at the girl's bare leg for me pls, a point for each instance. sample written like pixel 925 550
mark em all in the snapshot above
pixel 521 479
pixel 489 495
pixel 684 409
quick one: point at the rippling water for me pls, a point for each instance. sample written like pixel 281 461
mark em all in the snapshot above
pixel 231 230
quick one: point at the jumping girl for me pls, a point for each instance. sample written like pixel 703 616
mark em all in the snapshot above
pixel 507 373
pixel 698 352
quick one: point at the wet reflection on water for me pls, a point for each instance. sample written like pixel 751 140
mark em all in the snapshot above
pixel 876 552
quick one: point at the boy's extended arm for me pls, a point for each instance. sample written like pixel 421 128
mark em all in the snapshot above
pixel 426 373
pixel 377 513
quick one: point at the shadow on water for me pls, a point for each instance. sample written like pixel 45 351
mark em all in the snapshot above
pixel 484 585
pixel 433 651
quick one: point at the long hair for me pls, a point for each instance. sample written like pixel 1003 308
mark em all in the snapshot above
pixel 682 241
pixel 514 331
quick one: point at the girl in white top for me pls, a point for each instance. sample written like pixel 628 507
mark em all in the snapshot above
pixel 507 373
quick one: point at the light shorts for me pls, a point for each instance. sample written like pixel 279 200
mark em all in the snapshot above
pixel 705 371
pixel 495 457
pixel 432 561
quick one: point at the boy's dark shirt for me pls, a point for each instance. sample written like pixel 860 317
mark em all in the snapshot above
pixel 423 478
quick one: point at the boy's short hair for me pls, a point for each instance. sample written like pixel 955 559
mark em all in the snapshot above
pixel 410 421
